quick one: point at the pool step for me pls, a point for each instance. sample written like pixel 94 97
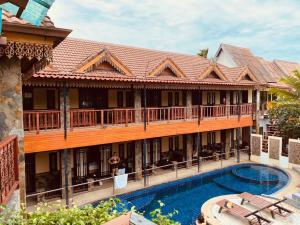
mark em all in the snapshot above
pixel 239 185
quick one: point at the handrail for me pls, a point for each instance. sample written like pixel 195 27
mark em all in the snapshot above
pixel 38 120
pixel 174 167
pixel 9 177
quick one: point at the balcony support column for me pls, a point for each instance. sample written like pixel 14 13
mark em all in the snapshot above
pixel 138 105
pixel 138 160
pixel 189 150
pixel 66 174
pixel 64 101
pixel 189 104
pixel 227 143
pixel 257 111
pixel 11 116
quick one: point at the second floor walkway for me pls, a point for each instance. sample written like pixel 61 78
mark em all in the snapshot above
pixel 86 127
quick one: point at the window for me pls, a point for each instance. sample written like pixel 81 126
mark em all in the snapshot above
pixel 53 161
pixel 176 140
pixel 211 98
pixel 170 99
pixel 121 151
pixel 211 138
pixel 176 98
pixel 129 99
pixel 120 99
pixel 170 144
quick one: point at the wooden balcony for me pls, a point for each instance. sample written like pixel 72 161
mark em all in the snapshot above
pixel 88 127
pixel 8 168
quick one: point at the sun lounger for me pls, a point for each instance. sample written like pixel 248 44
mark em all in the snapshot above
pixel 263 204
pixel 236 210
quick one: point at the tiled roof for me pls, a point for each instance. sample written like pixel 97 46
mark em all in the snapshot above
pixel 10 18
pixel 72 53
pixel 266 71
pixel 286 67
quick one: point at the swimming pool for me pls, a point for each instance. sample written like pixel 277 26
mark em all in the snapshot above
pixel 187 195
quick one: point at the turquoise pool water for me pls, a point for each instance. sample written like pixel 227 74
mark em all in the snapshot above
pixel 187 195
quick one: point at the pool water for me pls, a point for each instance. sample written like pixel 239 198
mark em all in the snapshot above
pixel 188 195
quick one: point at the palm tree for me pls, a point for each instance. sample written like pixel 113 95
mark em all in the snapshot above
pixel 291 95
pixel 203 53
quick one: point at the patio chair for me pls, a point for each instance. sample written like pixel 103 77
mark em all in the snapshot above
pixel 236 210
pixel 263 204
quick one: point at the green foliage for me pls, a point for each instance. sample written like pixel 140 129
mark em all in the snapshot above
pixel 160 219
pixel 88 215
pixel 291 95
pixel 46 215
pixel 287 118
pixel 203 53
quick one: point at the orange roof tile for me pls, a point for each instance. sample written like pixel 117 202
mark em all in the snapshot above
pixel 73 53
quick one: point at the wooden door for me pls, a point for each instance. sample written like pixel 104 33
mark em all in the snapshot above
pixel 50 99
pixel 30 173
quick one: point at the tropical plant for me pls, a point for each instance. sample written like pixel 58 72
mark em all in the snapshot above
pixel 292 93
pixel 287 119
pixel 203 53
pixel 160 219
pixel 285 111
pixel 89 215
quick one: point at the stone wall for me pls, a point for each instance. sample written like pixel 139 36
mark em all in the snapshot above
pixel 256 144
pixel 294 151
pixel 274 147
pixel 11 108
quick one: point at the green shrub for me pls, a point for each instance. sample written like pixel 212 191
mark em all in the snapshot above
pixel 88 215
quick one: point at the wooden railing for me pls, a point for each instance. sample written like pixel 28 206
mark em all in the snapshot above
pixel 43 120
pixel 91 117
pixel 8 168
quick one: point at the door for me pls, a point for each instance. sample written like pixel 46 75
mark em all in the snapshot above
pixel 50 99
pixel 80 159
pixel 130 157
pixel 30 173
pixel 105 155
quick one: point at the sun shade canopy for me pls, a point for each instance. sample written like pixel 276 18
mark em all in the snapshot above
pixel 32 11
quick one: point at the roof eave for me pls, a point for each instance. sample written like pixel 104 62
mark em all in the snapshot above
pixel 58 33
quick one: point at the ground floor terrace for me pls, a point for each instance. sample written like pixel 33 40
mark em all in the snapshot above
pixel 146 162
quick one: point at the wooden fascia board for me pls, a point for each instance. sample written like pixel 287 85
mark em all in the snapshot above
pixel 215 69
pixel 96 59
pixel 168 63
pixel 249 73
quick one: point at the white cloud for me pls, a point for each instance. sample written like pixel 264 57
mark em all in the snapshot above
pixel 268 28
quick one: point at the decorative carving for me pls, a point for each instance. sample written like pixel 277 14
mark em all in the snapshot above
pixel 28 50
pixel 8 168
pixel 256 145
pixel 274 148
pixel 294 152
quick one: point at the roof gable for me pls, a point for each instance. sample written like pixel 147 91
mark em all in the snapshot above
pixel 247 75
pixel 213 71
pixel 104 60
pixel 167 67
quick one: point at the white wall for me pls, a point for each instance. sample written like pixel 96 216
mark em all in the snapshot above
pixel 225 59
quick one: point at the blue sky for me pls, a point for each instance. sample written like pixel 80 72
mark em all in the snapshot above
pixel 270 28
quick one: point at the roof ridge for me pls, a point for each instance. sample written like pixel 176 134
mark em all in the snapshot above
pixel 134 47
pixel 235 46
pixel 282 60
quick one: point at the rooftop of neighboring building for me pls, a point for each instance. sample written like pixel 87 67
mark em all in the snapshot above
pixel 268 71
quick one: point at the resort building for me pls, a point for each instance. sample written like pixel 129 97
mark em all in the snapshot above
pixel 24 49
pixel 96 99
pixel 268 72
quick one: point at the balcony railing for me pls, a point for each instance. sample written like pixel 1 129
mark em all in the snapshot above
pixel 44 120
pixel 41 120
pixel 8 168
